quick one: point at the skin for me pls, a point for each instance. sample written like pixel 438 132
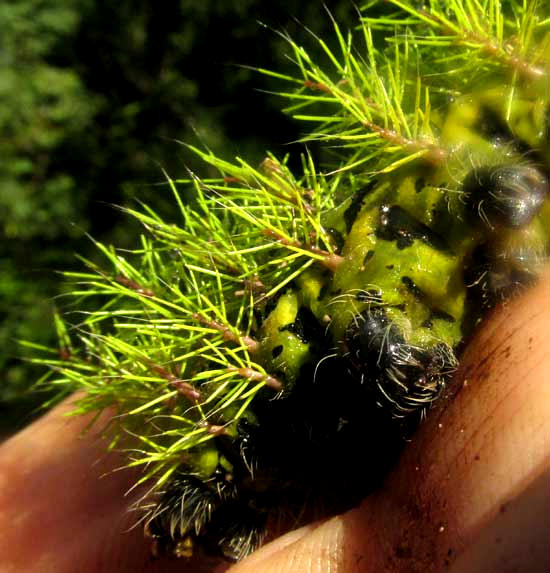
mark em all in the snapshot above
pixel 471 492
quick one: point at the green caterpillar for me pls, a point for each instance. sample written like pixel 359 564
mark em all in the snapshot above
pixel 272 350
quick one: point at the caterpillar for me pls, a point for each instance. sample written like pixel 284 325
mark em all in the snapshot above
pixel 271 350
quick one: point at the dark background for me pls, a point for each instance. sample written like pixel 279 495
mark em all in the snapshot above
pixel 94 97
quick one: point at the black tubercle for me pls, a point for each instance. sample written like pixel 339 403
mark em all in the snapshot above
pixel 219 515
pixel 398 225
pixel 185 510
pixel 494 276
pixel 505 196
pixel 403 376
pixel 373 339
pixel 237 529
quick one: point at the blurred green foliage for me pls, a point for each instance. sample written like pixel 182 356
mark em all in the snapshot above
pixel 94 96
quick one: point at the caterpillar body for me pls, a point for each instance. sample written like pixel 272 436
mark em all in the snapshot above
pixel 272 350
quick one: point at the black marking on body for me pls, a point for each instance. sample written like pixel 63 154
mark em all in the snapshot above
pixel 323 292
pixel 368 257
pixel 438 212
pixel 493 127
pixel 350 214
pixel 398 225
pixel 276 350
pixel 412 287
pixel 268 308
pixel 419 184
pixel 438 314
pixel 337 238
pixel 305 326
